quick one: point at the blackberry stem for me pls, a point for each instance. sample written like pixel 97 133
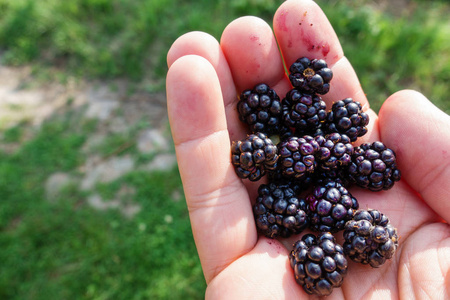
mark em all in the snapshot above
pixel 309 72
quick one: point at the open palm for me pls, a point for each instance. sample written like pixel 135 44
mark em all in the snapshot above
pixel 202 83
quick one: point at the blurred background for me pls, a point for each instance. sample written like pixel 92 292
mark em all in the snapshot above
pixel 91 203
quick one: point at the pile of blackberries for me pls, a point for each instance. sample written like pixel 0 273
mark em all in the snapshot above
pixel 308 156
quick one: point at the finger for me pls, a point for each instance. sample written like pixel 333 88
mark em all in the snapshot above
pixel 219 208
pixel 419 133
pixel 252 54
pixel 206 46
pixel 302 30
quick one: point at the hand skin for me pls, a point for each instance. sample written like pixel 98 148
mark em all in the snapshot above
pixel 203 81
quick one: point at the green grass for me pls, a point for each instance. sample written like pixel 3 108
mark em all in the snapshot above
pixel 393 53
pixel 65 249
pixel 130 38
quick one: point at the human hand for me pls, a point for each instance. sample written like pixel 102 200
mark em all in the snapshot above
pixel 202 83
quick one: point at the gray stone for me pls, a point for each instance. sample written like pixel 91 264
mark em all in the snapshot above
pixel 101 110
pixel 21 99
pixel 118 125
pixel 97 202
pixel 129 210
pixel 176 195
pixel 55 183
pixel 152 140
pixel 106 171
pixel 93 141
pixel 122 202
pixel 162 162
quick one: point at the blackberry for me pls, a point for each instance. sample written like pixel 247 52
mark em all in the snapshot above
pixel 329 206
pixel 260 108
pixel 374 167
pixel 304 112
pixel 311 76
pixel 296 157
pixel 370 238
pixel 346 117
pixel 278 211
pixel 335 152
pixel 276 176
pixel 340 176
pixel 253 156
pixel 319 263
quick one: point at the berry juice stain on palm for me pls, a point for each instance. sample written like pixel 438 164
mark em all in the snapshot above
pixel 276 245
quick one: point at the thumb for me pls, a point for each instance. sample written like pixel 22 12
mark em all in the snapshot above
pixel 419 133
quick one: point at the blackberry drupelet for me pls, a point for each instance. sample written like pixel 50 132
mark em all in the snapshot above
pixel 303 112
pixel 335 152
pixel 299 186
pixel 253 156
pixel 329 206
pixel 296 157
pixel 319 263
pixel 260 108
pixel 346 117
pixel 311 76
pixel 278 211
pixel 370 238
pixel 374 167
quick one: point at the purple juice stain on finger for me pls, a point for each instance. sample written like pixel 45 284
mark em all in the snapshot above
pixel 325 49
pixel 254 38
pixel 282 20
pixel 312 45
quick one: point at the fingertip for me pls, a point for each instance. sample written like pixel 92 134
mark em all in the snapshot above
pixel 398 98
pixel 419 133
pixel 193 90
pixel 187 70
pixel 252 53
pixel 410 113
pixel 194 43
pixel 302 29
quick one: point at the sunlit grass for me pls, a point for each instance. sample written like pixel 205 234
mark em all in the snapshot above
pixel 64 249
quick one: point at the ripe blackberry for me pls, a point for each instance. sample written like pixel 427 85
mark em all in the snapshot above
pixel 296 157
pixel 329 206
pixel 319 263
pixel 260 108
pixel 278 211
pixel 335 152
pixel 311 76
pixel 346 117
pixel 253 155
pixel 370 238
pixel 304 112
pixel 374 167
pixel 298 186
